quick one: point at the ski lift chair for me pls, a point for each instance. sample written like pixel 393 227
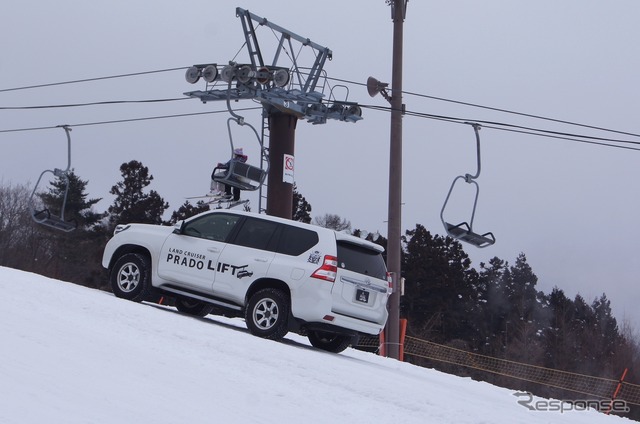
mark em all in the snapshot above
pixel 464 231
pixel 44 216
pixel 238 174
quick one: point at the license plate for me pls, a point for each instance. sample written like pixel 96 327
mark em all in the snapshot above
pixel 362 296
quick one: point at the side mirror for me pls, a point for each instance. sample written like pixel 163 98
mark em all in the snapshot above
pixel 177 228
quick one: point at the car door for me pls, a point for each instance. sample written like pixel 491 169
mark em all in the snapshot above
pixel 189 256
pixel 246 258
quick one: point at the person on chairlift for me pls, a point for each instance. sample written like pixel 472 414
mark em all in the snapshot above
pixel 224 190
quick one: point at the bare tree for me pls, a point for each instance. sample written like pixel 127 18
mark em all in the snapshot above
pixel 21 244
pixel 333 221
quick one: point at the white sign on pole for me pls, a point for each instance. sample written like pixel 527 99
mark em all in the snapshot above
pixel 287 171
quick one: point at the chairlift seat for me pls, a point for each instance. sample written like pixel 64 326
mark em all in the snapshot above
pixel 45 218
pixel 464 233
pixel 240 175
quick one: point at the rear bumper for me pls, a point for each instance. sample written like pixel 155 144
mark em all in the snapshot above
pixel 311 309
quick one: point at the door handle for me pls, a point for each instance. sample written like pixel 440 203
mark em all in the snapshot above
pixel 213 249
pixel 261 259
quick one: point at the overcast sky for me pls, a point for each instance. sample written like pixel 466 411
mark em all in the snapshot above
pixel 571 207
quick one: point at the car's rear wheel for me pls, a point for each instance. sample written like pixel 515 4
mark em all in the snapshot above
pixel 267 314
pixel 193 307
pixel 131 277
pixel 331 342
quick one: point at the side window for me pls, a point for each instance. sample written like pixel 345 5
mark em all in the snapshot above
pixel 215 226
pixel 295 241
pixel 256 233
pixel 361 260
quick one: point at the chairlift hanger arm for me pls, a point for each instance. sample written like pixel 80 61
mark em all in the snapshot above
pixel 476 129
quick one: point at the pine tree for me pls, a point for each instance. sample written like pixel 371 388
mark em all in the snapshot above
pixel 74 256
pixel 493 295
pixel 77 206
pixel 131 203
pixel 439 300
pixel 525 313
pixel 606 336
pixel 187 210
pixel 301 208
pixel 558 337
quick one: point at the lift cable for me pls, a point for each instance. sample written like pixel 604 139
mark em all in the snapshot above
pixel 487 124
pixel 528 115
pixel 118 121
pixel 3 90
pixel 520 129
pixel 107 102
pixel 328 78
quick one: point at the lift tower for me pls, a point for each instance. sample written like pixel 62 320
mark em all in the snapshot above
pixel 288 92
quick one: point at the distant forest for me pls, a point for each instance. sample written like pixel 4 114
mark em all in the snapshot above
pixel 494 309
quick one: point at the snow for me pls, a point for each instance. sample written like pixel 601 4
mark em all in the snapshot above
pixel 71 354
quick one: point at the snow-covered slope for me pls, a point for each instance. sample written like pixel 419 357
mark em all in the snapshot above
pixel 69 354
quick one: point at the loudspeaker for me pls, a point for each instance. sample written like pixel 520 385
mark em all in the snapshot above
pixel 374 86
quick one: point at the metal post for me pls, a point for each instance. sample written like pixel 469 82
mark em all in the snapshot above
pixel 394 246
pixel 282 127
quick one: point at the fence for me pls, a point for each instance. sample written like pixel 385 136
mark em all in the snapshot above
pixel 603 388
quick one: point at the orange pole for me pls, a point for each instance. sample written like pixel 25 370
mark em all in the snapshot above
pixel 383 340
pixel 403 332
pixel 383 344
pixel 615 394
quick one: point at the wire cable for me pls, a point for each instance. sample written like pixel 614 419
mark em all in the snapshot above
pixel 108 102
pixel 91 79
pixel 328 78
pixel 488 124
pixel 528 115
pixel 521 129
pixel 119 121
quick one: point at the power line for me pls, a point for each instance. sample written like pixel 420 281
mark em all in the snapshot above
pixel 528 115
pixel 90 79
pixel 488 124
pixel 521 129
pixel 522 114
pixel 108 102
pixel 119 121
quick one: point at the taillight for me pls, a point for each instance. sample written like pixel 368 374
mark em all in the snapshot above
pixel 328 269
pixel 390 283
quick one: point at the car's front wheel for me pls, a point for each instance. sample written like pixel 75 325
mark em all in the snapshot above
pixel 193 307
pixel 331 342
pixel 131 277
pixel 267 314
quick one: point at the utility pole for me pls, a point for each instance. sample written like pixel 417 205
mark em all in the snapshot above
pixel 394 246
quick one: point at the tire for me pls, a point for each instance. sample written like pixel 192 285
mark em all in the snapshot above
pixel 267 314
pixel 331 342
pixel 131 277
pixel 193 307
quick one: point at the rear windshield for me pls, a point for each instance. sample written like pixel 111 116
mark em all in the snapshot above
pixel 361 260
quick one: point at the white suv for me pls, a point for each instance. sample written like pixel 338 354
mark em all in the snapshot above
pixel 280 275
